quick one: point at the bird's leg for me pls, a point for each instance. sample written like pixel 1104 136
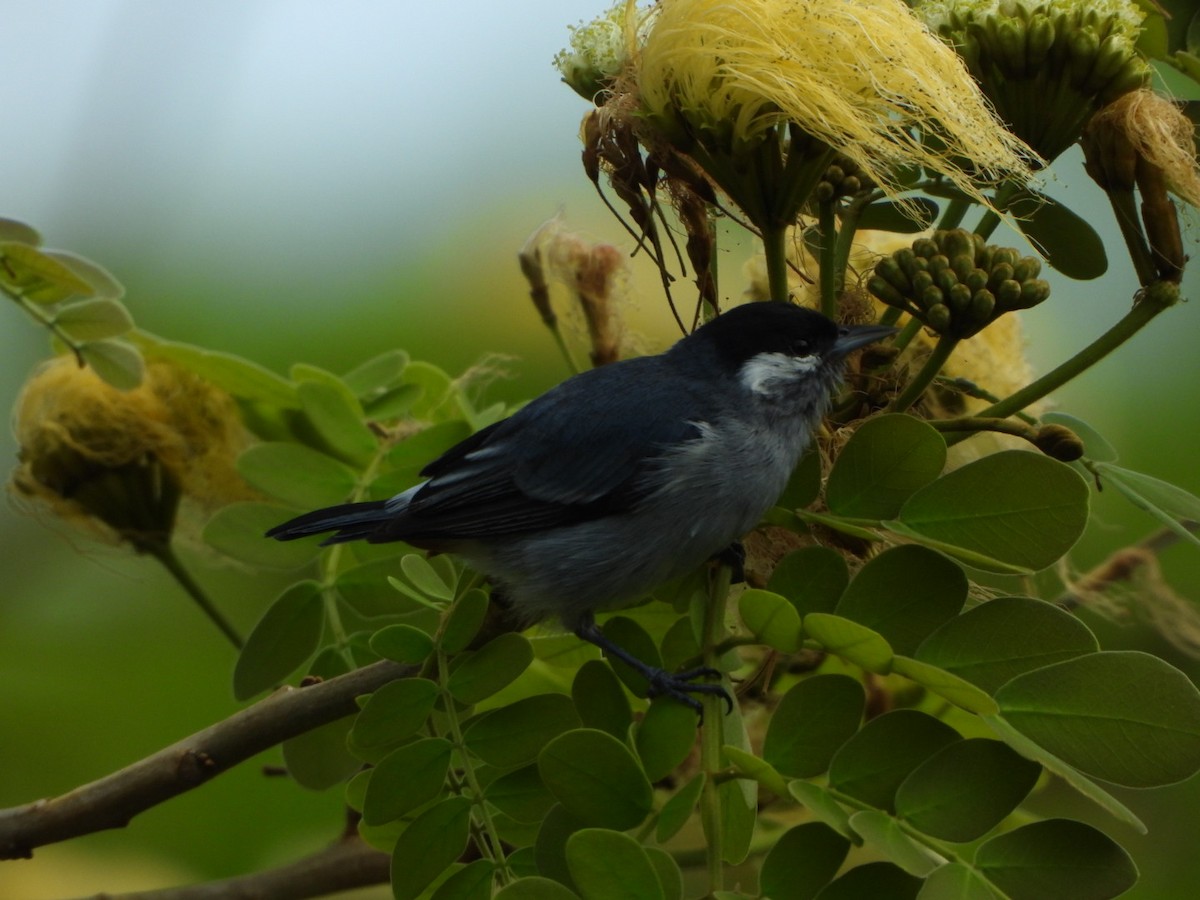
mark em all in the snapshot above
pixel 733 556
pixel 678 685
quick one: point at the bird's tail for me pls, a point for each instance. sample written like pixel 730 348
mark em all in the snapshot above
pixel 350 522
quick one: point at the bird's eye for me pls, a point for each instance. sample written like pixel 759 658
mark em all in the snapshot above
pixel 800 347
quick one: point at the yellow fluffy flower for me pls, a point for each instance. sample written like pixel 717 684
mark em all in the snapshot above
pixel 864 77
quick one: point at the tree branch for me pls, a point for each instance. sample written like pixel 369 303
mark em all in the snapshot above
pixel 113 800
pixel 350 863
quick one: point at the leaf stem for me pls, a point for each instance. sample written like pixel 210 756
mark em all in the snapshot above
pixel 953 215
pixel 712 731
pixel 775 249
pixel 916 387
pixel 1158 296
pixel 161 551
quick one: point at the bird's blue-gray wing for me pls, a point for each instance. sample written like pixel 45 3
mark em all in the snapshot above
pixel 577 452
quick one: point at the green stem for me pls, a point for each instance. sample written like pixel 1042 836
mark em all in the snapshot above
pixel 1000 200
pixel 561 343
pixel 165 555
pixel 496 847
pixel 775 249
pixel 890 316
pixel 1125 212
pixel 712 732
pixel 953 215
pixel 975 424
pixel 915 388
pixel 910 330
pixel 827 228
pixel 1150 305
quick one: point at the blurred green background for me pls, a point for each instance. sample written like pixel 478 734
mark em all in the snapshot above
pixel 303 181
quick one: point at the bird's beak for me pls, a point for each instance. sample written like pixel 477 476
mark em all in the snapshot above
pixel 851 337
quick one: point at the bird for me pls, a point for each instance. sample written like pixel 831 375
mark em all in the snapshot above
pixel 624 476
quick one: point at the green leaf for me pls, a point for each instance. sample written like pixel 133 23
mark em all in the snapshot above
pixel 94 320
pixel 438 390
pixel 103 283
pixel 1169 503
pixel 1056 858
pixel 812 579
pixel 950 687
pixel 1126 717
pixel 633 638
pixel 394 712
pixel 38 276
pixel 1095 446
pixel 318 759
pixel 230 373
pixel 463 622
pixel 771 619
pixel 376 374
pixel 1021 508
pixel 418 570
pixel 405 779
pixel 670 877
pixel 904 594
pixel 803 860
pixel 812 721
pixel 596 778
pixel 607 864
pixel 402 644
pixel 887 215
pixel 884 463
pixel 429 846
pixel 515 734
pixel 115 361
pixel 239 531
pixel 854 643
pixel 824 807
pixel 956 881
pixel 877 880
pixel 491 668
pixel 600 699
pixel 535 887
pixel 521 795
pixel 972 558
pixel 550 848
pixel 665 737
pixel 678 809
pixel 394 403
pixel 1006 637
pixel 367 589
pixel 12 230
pixel 297 475
pixel 1067 241
pixel 753 767
pixel 1069 774
pixel 286 635
pixel 966 789
pixel 472 882
pixel 873 764
pixel 337 417
pixel 884 834
pixel 804 485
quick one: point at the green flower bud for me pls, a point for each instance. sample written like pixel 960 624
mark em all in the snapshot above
pixel 982 306
pixel 1027 267
pixel 922 281
pixel 945 279
pixel 977 280
pixel 959 297
pixel 889 270
pixel 1001 272
pixel 938 318
pixel 925 248
pixel 1033 292
pixel 932 296
pixel 1008 294
pixel 886 292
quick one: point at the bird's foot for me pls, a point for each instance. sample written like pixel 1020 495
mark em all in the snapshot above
pixel 681 685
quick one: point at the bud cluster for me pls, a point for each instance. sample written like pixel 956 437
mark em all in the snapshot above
pixel 842 178
pixel 957 284
pixel 1046 66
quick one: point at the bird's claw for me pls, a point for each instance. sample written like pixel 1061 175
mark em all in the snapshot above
pixel 681 685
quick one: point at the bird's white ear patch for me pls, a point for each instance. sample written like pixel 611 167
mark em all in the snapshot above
pixel 764 372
